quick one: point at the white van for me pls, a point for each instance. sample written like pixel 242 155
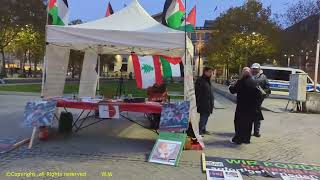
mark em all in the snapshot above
pixel 279 78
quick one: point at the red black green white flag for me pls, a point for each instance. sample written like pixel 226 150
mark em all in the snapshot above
pixel 109 11
pixel 170 67
pixel 147 70
pixel 190 23
pixel 173 13
pixel 58 12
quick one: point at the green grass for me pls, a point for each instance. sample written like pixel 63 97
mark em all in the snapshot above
pixel 108 89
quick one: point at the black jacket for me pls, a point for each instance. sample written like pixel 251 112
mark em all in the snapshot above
pixel 204 95
pixel 248 99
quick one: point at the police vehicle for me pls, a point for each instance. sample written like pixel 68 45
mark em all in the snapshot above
pixel 279 78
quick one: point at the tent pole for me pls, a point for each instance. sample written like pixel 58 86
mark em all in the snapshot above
pixel 44 70
pixel 185 33
pixel 44 66
pixel 99 64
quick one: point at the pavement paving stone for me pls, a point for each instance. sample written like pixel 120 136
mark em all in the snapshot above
pixel 122 148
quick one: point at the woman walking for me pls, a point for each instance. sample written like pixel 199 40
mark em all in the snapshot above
pixel 248 97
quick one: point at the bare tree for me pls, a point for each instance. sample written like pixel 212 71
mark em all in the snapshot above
pixel 301 10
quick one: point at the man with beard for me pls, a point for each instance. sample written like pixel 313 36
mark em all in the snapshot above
pixel 246 113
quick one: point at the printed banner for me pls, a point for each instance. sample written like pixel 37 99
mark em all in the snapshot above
pixel 266 169
pixel 175 117
pixel 39 113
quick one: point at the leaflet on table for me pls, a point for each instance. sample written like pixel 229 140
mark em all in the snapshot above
pixel 215 174
pixel 90 99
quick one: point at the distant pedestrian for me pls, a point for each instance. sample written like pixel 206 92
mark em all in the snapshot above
pixel 247 102
pixel 30 72
pixel 263 84
pixel 204 99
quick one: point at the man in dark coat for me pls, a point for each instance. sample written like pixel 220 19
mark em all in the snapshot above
pixel 248 97
pixel 263 83
pixel 204 98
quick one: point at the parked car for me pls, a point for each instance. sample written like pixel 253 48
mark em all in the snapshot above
pixel 279 78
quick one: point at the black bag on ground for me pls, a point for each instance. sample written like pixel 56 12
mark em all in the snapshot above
pixel 65 122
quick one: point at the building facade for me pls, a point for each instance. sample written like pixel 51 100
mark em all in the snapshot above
pixel 300 41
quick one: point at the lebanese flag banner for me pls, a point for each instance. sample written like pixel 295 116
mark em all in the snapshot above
pixel 109 11
pixel 147 70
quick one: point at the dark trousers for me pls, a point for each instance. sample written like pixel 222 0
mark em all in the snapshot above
pixel 203 122
pixel 257 125
pixel 243 129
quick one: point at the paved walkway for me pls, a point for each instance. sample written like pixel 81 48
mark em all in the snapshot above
pixel 276 102
pixel 121 148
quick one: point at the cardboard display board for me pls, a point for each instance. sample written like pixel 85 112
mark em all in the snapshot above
pixel 39 113
pixel 107 111
pixel 175 117
pixel 168 148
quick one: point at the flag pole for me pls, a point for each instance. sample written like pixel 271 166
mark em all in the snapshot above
pixel 44 65
pixel 185 33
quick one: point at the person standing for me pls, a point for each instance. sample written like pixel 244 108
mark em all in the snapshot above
pixel 204 99
pixel 263 84
pixel 246 111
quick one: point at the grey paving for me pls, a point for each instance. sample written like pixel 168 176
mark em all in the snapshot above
pixel 120 147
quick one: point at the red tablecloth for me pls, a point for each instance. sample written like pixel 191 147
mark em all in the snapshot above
pixel 148 107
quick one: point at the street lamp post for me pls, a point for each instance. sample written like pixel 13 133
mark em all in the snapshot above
pixel 316 68
pixel 289 58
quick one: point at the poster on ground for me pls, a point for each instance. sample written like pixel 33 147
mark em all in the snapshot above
pixel 175 117
pixel 168 148
pixel 215 174
pixel 39 113
pixel 264 168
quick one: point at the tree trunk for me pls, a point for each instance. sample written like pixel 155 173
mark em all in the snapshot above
pixel 35 66
pixel 3 70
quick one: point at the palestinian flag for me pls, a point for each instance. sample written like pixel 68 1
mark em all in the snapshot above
pixel 170 69
pixel 58 12
pixel 173 13
pixel 190 23
pixel 109 11
pixel 147 70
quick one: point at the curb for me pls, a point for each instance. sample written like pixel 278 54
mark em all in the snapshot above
pixel 19 93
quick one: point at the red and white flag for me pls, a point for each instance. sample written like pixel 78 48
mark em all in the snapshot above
pixel 147 70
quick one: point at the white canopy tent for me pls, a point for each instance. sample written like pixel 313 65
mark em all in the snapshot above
pixel 131 29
